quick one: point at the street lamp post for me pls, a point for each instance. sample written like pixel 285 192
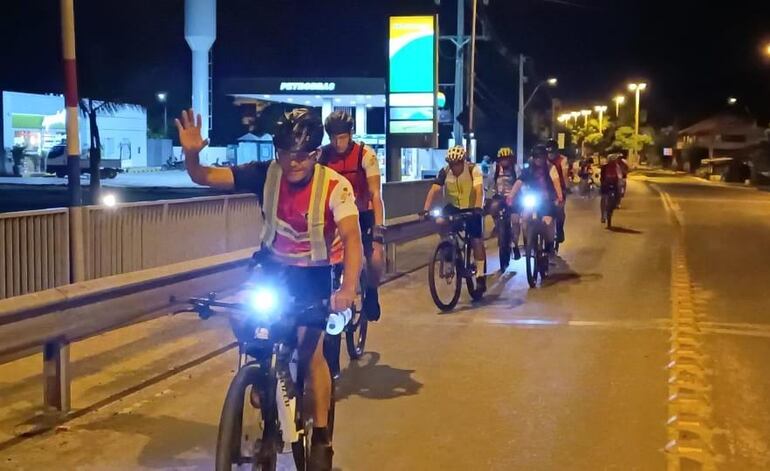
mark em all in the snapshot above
pixel 601 110
pixel 575 115
pixel 585 114
pixel 551 82
pixel 619 100
pixel 637 88
pixel 162 98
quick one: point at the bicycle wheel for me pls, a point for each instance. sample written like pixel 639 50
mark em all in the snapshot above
pixel 355 334
pixel 443 276
pixel 473 288
pixel 355 338
pixel 232 435
pixel 532 255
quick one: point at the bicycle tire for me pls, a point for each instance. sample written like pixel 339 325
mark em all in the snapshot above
pixel 355 335
pixel 531 254
pixel 228 451
pixel 443 248
pixel 355 338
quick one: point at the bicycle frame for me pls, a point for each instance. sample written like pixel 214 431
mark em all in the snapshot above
pixel 459 238
pixel 270 349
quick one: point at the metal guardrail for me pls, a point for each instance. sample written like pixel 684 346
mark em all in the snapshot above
pixel 56 317
pixel 137 236
pixel 44 249
pixel 34 251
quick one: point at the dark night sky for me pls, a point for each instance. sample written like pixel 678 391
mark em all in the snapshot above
pixel 693 53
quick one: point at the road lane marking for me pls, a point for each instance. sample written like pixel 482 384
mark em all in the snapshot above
pixel 690 427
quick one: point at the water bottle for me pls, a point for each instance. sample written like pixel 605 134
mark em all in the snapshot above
pixel 337 321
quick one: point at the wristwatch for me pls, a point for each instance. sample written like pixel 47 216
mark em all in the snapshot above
pixel 378 233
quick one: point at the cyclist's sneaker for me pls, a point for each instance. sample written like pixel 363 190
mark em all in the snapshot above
pixel 320 457
pixel 371 305
pixel 604 219
pixel 481 284
pixel 516 253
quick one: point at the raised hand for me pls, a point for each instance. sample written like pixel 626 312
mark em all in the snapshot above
pixel 189 127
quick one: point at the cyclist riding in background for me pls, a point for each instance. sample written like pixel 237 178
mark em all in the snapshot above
pixel 463 186
pixel 561 165
pixel 542 178
pixel 611 175
pixel 358 163
pixel 624 178
pixel 310 224
pixel 504 179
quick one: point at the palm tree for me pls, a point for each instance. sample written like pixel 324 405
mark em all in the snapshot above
pixel 91 109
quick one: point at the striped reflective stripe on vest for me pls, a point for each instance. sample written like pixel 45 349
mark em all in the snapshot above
pixel 317 214
pixel 316 217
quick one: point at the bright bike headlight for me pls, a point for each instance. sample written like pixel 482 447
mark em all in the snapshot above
pixel 530 201
pixel 436 213
pixel 264 302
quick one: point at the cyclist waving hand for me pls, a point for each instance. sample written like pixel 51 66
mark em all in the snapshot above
pixel 310 224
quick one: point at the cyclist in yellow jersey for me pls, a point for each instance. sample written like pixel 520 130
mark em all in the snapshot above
pixel 463 185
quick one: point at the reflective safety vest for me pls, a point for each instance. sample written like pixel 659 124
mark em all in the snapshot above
pixel 350 166
pixel 319 250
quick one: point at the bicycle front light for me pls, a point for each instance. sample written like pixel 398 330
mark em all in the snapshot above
pixel 436 213
pixel 264 303
pixel 530 201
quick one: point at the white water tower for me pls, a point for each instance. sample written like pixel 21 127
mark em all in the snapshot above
pixel 200 31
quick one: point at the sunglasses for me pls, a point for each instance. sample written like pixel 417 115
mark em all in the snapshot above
pixel 299 157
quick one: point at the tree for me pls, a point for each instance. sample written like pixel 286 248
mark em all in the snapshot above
pixel 590 136
pixel 91 109
pixel 626 140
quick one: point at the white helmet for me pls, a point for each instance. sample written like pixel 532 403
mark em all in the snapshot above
pixel 455 154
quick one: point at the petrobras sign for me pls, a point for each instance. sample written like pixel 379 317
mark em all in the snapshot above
pixel 308 86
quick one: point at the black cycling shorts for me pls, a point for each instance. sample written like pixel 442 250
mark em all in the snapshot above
pixel 473 224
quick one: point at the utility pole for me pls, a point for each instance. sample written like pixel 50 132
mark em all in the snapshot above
pixel 459 43
pixel 472 80
pixel 520 117
pixel 71 101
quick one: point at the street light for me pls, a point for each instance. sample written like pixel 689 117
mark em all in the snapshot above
pixel 601 110
pixel 637 88
pixel 162 98
pixel 619 100
pixel 585 114
pixel 575 115
pixel 551 82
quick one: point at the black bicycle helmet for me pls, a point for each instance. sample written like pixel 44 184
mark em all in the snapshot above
pixel 299 130
pixel 551 145
pixel 339 122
